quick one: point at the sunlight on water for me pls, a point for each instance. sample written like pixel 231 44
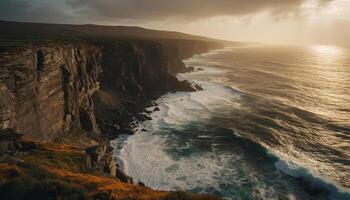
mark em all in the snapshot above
pixel 330 74
pixel 329 56
pixel 327 50
pixel 263 108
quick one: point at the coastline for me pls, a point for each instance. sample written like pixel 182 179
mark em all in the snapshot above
pixel 143 114
pixel 149 107
pixel 96 90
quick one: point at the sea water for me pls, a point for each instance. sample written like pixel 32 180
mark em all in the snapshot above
pixel 273 122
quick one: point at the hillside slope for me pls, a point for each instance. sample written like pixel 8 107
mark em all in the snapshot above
pixel 21 31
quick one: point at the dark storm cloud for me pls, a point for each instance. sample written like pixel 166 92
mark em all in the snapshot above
pixel 112 10
pixel 27 10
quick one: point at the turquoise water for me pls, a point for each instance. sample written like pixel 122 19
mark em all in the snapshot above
pixel 271 123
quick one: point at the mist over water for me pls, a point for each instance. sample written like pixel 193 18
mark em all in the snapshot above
pixel 272 122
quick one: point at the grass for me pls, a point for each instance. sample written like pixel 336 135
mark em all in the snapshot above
pixel 57 171
pixel 105 185
pixel 58 156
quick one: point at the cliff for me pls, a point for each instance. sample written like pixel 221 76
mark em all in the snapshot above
pixel 81 92
pixel 48 89
pixel 185 49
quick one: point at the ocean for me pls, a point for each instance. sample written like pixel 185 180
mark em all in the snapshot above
pixel 273 122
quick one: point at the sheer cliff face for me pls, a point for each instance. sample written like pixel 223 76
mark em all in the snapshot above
pixel 47 90
pixel 134 69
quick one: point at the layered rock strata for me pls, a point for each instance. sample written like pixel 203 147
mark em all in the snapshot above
pixel 49 89
pixel 45 91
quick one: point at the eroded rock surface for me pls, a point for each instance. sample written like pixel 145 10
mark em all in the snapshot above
pixel 48 90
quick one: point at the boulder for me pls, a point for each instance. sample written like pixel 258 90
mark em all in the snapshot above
pixel 123 177
pixel 190 69
pixel 141 184
pixel 185 86
pixel 102 158
pixel 97 153
pixel 147 111
pixel 142 117
pixel 198 87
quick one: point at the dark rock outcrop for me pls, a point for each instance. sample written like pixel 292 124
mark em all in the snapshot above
pixel 123 177
pixel 102 158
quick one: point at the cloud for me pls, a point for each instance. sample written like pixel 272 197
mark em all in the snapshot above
pixel 33 11
pixel 185 9
pixel 75 11
pixel 283 20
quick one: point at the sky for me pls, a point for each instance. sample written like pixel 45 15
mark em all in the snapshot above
pixel 269 21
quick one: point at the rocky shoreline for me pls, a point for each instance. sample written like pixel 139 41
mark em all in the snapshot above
pixel 140 115
pixel 81 95
pixel 113 122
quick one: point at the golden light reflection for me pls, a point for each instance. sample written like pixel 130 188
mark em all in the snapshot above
pixel 327 55
pixel 327 50
pixel 329 75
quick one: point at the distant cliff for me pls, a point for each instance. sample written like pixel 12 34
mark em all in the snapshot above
pixel 47 89
pixel 185 49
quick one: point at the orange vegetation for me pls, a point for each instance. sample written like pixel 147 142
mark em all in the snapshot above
pixel 67 165
pixel 115 188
